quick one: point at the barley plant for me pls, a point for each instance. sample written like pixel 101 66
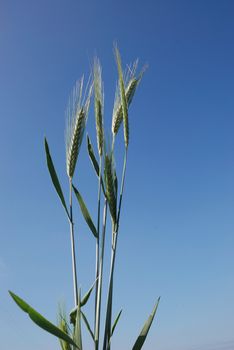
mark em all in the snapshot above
pixel 69 330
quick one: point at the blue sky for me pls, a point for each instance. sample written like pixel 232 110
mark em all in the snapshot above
pixel 177 226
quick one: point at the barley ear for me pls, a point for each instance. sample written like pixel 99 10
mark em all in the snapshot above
pixel 98 102
pixel 123 97
pixel 77 114
pixel 132 83
pixel 64 326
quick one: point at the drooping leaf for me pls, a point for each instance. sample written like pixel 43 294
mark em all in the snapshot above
pixel 85 212
pixel 92 156
pixel 94 160
pixel 41 321
pixel 141 338
pixel 87 325
pixel 109 172
pixel 54 176
pixel 115 323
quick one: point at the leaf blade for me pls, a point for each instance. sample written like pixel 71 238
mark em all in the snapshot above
pixel 41 321
pixel 87 325
pixel 92 156
pixel 143 334
pixel 54 176
pixel 115 323
pixel 94 161
pixel 85 212
pixel 87 295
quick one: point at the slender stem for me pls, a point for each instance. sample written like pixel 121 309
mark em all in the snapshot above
pixel 75 284
pixel 106 344
pixel 122 187
pixel 98 239
pixel 99 291
pixel 106 341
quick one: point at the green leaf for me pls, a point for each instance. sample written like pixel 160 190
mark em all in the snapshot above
pixel 41 321
pixel 87 325
pixel 116 183
pixel 141 339
pixel 87 295
pixel 85 212
pixel 94 160
pixel 82 303
pixel 115 323
pixel 54 177
pixel 92 156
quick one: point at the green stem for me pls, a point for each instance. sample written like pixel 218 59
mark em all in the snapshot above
pixel 99 291
pixel 106 343
pixel 98 239
pixel 74 273
pixel 122 187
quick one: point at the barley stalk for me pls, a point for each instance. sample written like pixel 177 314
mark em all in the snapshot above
pixel 99 288
pixel 115 230
pixel 98 106
pixel 73 253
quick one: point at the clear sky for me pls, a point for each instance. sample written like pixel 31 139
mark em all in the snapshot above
pixel 176 237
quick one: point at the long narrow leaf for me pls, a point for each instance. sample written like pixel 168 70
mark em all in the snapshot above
pixel 87 325
pixel 87 295
pixel 84 300
pixel 41 321
pixel 92 156
pixel 94 160
pixel 54 176
pixel 141 339
pixel 115 323
pixel 85 212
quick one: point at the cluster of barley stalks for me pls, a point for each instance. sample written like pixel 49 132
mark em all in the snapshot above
pixel 70 332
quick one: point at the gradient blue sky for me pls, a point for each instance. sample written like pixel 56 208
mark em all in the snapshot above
pixel 177 224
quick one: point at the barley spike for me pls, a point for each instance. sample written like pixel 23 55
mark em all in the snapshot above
pixel 99 102
pixel 63 325
pixel 132 83
pixel 77 113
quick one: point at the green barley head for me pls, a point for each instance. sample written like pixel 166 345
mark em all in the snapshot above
pixel 99 104
pixel 123 99
pixel 131 82
pixel 76 116
pixel 64 326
